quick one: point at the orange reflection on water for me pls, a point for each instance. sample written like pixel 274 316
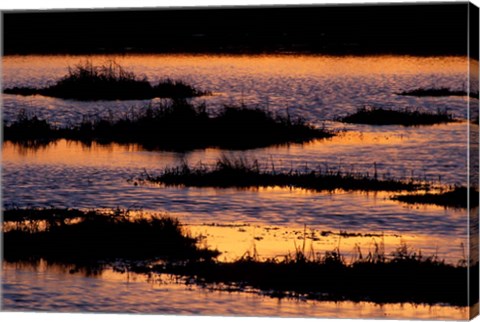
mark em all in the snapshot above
pixel 56 288
pixel 65 152
pixel 301 64
pixel 265 242
pixel 180 65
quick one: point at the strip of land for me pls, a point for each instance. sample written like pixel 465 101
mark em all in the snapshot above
pixel 438 92
pixel 176 125
pixel 242 173
pixel 406 117
pixel 403 276
pixel 459 197
pixel 86 82
pixel 430 30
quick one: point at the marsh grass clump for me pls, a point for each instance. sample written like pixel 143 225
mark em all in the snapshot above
pixel 29 128
pixel 74 236
pixel 242 173
pixel 176 89
pixel 405 275
pixel 109 82
pixel 175 125
pixel 30 132
pixel 240 126
pixel 455 198
pixel 406 117
pixel 437 92
pixel 87 82
pixel 179 125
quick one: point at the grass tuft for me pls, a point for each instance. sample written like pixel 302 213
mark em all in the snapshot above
pixel 74 236
pixel 456 198
pixel 437 92
pixel 406 117
pixel 86 82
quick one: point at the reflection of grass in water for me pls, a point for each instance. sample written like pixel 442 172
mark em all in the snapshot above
pixel 456 198
pixel 437 92
pixel 68 235
pixel 111 81
pixel 178 125
pixel 94 238
pixel 406 117
pixel 239 172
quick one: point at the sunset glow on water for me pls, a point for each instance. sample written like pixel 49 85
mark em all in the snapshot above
pixel 267 221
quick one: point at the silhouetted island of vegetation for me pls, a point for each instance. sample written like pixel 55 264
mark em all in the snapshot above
pixel 94 240
pixel 402 276
pixel 86 82
pixel 406 117
pixel 85 237
pixel 456 198
pixel 178 125
pixel 437 92
pixel 241 173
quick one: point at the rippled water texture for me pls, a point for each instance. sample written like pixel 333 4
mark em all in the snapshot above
pixel 319 89
pixel 314 87
pixel 55 290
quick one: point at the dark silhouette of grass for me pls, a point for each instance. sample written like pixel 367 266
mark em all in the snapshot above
pixel 177 126
pixel 437 92
pixel 29 128
pixel 87 237
pixel 242 173
pixel 240 127
pixel 456 198
pixel 90 239
pixel 403 276
pixel 87 82
pixel 176 89
pixel 381 116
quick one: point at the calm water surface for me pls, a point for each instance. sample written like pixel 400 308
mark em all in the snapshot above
pixel 272 221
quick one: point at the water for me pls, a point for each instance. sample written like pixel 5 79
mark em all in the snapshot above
pixel 56 290
pixel 317 88
pixel 314 87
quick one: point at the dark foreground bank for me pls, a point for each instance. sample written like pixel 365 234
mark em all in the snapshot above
pixel 91 238
pixel 403 276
